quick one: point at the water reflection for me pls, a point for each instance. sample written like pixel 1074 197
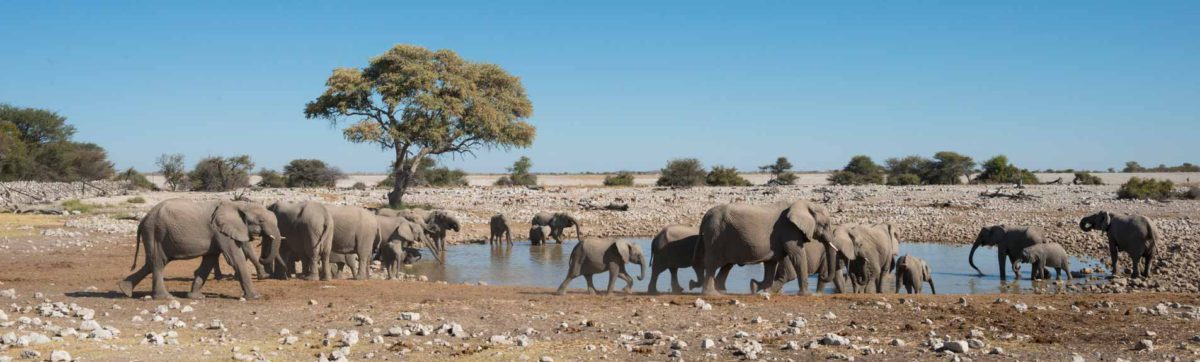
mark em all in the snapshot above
pixel 546 265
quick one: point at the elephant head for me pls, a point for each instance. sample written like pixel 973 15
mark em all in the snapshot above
pixel 988 236
pixel 244 222
pixel 812 220
pixel 1097 221
pixel 400 229
pixel 842 246
pixel 631 253
pixel 441 220
pixel 563 220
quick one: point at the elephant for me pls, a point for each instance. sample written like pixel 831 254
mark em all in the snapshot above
pixel 338 260
pixel 595 255
pixel 911 271
pixel 673 248
pixel 307 229
pixel 557 222
pixel 748 234
pixel 499 226
pixel 178 229
pixel 874 254
pixel 355 231
pixel 815 254
pixel 1009 241
pixel 538 234
pixel 436 224
pixel 1045 255
pixel 410 234
pixel 414 215
pixel 1136 235
pixel 393 254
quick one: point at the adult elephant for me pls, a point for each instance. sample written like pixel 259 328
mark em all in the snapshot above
pixel 355 231
pixel 557 222
pixel 815 254
pixel 875 248
pixel 673 248
pixel 414 215
pixel 178 229
pixel 409 234
pixel 1136 235
pixel 307 228
pixel 499 228
pixel 740 234
pixel 437 223
pixel 1009 241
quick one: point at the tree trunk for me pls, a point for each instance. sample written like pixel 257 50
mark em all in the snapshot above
pixel 399 179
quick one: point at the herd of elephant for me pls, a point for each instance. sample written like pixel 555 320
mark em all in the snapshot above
pixel 792 240
pixel 796 240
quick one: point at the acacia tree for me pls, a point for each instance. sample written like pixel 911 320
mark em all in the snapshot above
pixel 421 103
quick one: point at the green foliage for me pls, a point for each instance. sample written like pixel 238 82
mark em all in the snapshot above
pixel 623 178
pixel 136 200
pixel 428 175
pixel 948 168
pixel 518 174
pixel 311 173
pixel 1084 178
pixel 270 179
pixel 36 145
pixel 73 205
pixel 683 172
pixel 425 103
pixel 861 170
pixel 907 170
pixel 1133 166
pixel 904 179
pixel 136 180
pixel 781 172
pixel 221 174
pixel 725 176
pixel 1145 189
pixel 359 186
pixel 171 168
pixel 999 170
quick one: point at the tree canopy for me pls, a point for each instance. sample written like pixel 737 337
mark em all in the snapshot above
pixel 37 145
pixel 861 170
pixel 999 170
pixel 781 172
pixel 685 172
pixel 419 102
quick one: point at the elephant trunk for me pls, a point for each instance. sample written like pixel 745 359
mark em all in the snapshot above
pixel 971 257
pixel 642 275
pixel 579 236
pixel 1085 225
pixel 830 266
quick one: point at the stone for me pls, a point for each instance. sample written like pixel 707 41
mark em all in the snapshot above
pixel 707 344
pixel 975 343
pixel 1144 345
pixel 410 316
pixel 956 346
pixel 546 359
pixel 60 356
pixel 829 315
pixel 897 342
pixel 831 339
pixel 678 344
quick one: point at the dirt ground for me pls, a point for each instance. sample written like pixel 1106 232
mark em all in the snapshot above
pixel 513 323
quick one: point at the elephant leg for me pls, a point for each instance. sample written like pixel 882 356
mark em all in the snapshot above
pixel 1136 262
pixel 1112 252
pixel 722 276
pixel 628 280
pixel 159 285
pixel 313 264
pixel 709 286
pixel 1000 255
pixel 1148 256
pixel 613 274
pixel 206 267
pixel 126 286
pixel 675 287
pixel 839 282
pixel 769 267
pixel 562 288
pixel 696 283
pixel 364 263
pixel 591 285
pixel 235 257
pixel 248 251
pixel 654 272
pixel 508 237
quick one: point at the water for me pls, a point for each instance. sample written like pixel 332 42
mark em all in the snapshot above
pixel 545 266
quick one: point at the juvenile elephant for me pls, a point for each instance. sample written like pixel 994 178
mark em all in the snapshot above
pixel 393 254
pixel 436 225
pixel 307 229
pixel 874 249
pixel 499 226
pixel 178 229
pixel 673 248
pixel 1136 235
pixel 409 234
pixel 595 255
pixel 740 234
pixel 338 261
pixel 538 234
pixel 557 222
pixel 815 254
pixel 1045 255
pixel 356 231
pixel 1009 242
pixel 911 271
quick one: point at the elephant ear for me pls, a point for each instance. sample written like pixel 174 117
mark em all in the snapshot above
pixel 623 247
pixel 1105 219
pixel 803 217
pixel 229 220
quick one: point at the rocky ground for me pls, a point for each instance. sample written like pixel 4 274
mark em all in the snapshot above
pixel 58 273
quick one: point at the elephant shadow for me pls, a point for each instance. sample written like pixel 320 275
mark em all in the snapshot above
pixel 113 294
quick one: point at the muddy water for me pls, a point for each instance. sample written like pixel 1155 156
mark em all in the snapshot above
pixel 545 266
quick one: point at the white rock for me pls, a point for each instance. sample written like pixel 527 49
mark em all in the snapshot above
pixel 831 339
pixel 410 316
pixel 956 346
pixel 1144 345
pixel 88 326
pixel 60 356
pixel 707 344
pixel 829 315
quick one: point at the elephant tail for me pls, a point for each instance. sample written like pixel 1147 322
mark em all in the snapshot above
pixel 137 248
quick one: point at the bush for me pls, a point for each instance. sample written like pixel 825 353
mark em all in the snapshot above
pixel 1084 178
pixel 948 168
pixel 37 145
pixel 683 172
pixel 781 172
pixel 270 179
pixel 76 205
pixel 1133 166
pixel 359 186
pixel 623 178
pixel 1145 189
pixel 904 179
pixel 221 174
pixel 444 176
pixel 861 170
pixel 907 170
pixel 136 180
pixel 999 170
pixel 311 173
pixel 725 176
pixel 171 168
pixel 518 174
pixel 136 200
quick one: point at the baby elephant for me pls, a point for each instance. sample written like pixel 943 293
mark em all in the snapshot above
pixel 499 226
pixel 538 234
pixel 595 255
pixel 912 271
pixel 1045 255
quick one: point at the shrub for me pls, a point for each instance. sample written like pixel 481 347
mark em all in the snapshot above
pixel 1145 189
pixel 136 200
pixel 1084 178
pixel 861 170
pixel 311 173
pixel 904 179
pixel 37 145
pixel 271 179
pixel 999 170
pixel 221 174
pixel 171 168
pixel 444 176
pixel 76 205
pixel 136 180
pixel 685 172
pixel 623 178
pixel 518 174
pixel 725 176
pixel 948 168
pixel 907 170
pixel 359 186
pixel 781 172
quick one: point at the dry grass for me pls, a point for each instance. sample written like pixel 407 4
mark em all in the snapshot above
pixel 16 225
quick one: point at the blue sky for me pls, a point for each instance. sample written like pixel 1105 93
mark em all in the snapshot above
pixel 1062 84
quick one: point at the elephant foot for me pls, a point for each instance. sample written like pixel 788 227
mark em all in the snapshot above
pixel 126 288
pixel 561 292
pixel 710 293
pixel 627 290
pixel 252 296
pixel 162 295
pixel 195 295
pixel 652 292
pixel 692 284
pixel 310 277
